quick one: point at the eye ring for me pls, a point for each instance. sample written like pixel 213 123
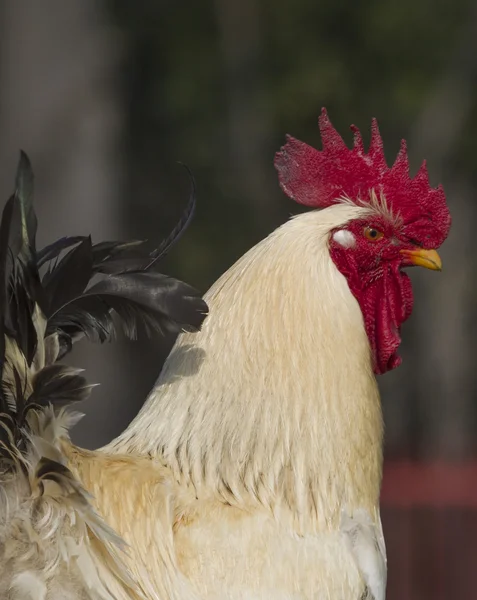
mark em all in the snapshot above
pixel 372 234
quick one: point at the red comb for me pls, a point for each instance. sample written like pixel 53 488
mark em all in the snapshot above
pixel 320 178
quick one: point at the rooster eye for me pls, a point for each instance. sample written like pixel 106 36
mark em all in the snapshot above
pixel 373 234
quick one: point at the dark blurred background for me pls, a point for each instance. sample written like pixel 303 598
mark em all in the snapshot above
pixel 106 97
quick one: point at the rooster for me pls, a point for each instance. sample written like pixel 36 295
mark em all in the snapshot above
pixel 253 471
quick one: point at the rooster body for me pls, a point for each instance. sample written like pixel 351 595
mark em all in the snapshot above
pixel 237 533
pixel 253 471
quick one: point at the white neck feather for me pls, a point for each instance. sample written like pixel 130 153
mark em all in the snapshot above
pixel 275 400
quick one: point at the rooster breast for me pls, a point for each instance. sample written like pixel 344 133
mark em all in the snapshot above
pixel 244 555
pixel 184 548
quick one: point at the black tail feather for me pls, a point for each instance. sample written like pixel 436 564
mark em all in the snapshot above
pixel 182 224
pixel 53 250
pixel 85 288
pixel 70 276
pixel 58 385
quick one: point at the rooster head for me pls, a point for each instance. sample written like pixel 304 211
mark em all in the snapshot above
pixel 403 222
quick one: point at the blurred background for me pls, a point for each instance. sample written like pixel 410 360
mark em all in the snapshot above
pixel 107 96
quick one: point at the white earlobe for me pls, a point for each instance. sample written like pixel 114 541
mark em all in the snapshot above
pixel 344 238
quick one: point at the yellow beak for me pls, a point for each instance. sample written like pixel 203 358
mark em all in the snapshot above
pixel 424 258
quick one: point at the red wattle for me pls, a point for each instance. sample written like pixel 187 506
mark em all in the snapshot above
pixel 386 299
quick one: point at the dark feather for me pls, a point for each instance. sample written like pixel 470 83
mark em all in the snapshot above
pixel 118 266
pixel 23 285
pixel 21 311
pixel 52 251
pixel 58 385
pixel 101 252
pixel 181 226
pixel 159 302
pixel 69 279
pixel 65 342
pixel 86 316
pixel 51 469
pixel 114 250
pixel 19 393
pixel 8 442
pixel 24 195
pixel 10 244
pixel 173 303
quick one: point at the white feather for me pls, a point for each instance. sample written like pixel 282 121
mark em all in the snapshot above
pixel 27 586
pixel 366 542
